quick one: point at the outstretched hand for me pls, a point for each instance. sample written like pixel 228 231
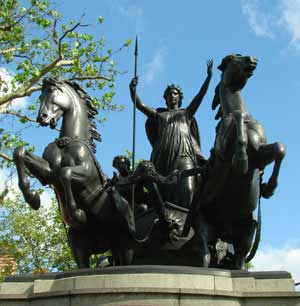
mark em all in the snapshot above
pixel 133 83
pixel 210 64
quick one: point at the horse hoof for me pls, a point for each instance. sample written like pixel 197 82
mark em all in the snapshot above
pixel 240 165
pixel 206 260
pixel 33 199
pixel 266 190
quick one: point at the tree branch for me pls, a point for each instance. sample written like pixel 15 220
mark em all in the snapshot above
pixel 8 27
pixel 14 113
pixel 6 157
pixel 29 88
pixel 63 36
pixel 82 78
pixel 8 50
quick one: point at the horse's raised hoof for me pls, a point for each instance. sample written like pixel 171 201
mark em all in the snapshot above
pixel 33 199
pixel 267 190
pixel 240 165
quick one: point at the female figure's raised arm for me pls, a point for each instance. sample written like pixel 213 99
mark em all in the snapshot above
pixel 194 105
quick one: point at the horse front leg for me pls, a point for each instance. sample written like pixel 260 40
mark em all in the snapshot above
pixel 37 166
pixel 68 176
pixel 201 229
pixel 240 157
pixel 244 232
pixel 80 245
pixel 267 154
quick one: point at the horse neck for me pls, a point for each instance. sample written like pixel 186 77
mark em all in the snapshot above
pixel 75 119
pixel 231 100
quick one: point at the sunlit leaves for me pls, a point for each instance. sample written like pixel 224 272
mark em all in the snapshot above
pixel 39 37
pixel 127 43
pixel 35 239
pixel 37 42
pixel 100 19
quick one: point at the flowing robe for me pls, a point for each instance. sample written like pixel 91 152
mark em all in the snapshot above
pixel 174 136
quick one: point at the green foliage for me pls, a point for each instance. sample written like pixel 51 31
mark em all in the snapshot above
pixel 36 38
pixel 37 42
pixel 35 239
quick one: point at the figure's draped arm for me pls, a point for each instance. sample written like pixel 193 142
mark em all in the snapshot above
pixel 148 111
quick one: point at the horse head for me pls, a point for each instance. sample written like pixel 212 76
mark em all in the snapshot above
pixel 54 100
pixel 237 69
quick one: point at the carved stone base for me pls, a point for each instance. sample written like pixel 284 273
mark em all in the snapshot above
pixel 151 285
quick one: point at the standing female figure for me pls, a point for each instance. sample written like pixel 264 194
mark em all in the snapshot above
pixel 174 136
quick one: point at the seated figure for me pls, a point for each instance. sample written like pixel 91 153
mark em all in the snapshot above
pixel 122 164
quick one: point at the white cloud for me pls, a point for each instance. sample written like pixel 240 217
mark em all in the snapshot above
pixel 290 19
pixel 155 66
pixel 128 10
pixel 266 20
pixel 6 88
pixel 286 258
pixel 131 11
pixel 258 21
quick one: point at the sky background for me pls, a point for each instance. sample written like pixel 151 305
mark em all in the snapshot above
pixel 176 39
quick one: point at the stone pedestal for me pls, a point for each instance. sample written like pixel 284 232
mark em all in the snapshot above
pixel 150 285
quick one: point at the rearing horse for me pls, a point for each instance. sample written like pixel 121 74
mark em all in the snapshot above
pixel 69 165
pixel 233 185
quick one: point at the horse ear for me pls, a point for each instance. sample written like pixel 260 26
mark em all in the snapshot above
pixel 225 61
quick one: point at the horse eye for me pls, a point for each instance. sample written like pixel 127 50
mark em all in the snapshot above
pixel 51 88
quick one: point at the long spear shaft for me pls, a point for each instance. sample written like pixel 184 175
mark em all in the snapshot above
pixel 134 117
pixel 134 104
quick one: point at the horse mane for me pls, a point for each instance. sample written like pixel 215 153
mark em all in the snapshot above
pixel 216 102
pixel 92 111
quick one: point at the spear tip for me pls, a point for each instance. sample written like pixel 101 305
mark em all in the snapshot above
pixel 136 46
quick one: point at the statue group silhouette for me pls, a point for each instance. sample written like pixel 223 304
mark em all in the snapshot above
pixel 178 208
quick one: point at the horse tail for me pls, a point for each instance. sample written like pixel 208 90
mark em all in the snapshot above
pixel 257 235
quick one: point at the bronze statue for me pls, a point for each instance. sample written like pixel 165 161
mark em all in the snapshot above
pixel 181 222
pixel 97 213
pixel 174 136
pixel 97 222
pixel 232 185
pixel 142 200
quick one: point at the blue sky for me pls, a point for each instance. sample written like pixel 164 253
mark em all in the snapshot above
pixel 175 40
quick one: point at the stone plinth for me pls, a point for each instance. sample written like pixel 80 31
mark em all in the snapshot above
pixel 151 285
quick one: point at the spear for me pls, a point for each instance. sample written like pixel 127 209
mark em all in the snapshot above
pixel 134 104
pixel 134 116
